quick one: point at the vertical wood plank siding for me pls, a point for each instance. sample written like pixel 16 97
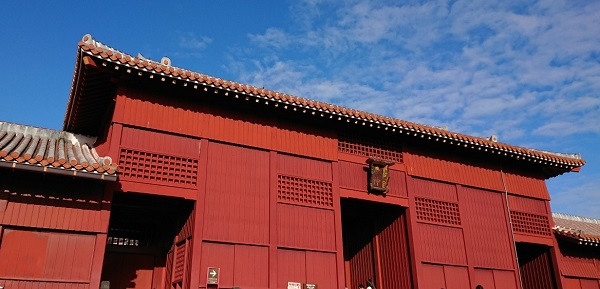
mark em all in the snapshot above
pixel 535 266
pixel 526 186
pixel 167 115
pixel 251 266
pixel 321 269
pixel 291 267
pixel 160 142
pixel 187 230
pixel 397 184
pixel 434 167
pixel 46 255
pixel 303 167
pixel 51 203
pixel 24 284
pixel 433 277
pixel 434 190
pixel 588 284
pixel 395 259
pixel 362 267
pixel 237 195
pixel 219 256
pixel 441 244
pixel 578 262
pixel 487 234
pixel 306 228
pixel 353 176
pixel 506 280
pixel 447 277
pixel 456 277
pixel 529 205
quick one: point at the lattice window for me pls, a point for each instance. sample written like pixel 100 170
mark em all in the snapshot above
pixel 179 264
pixel 369 148
pixel 530 223
pixel 158 168
pixel 435 211
pixel 304 191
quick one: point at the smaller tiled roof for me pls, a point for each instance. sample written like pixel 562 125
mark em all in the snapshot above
pixel 28 147
pixel 585 231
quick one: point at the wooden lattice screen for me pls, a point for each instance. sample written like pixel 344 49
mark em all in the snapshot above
pixel 158 168
pixel 304 191
pixel 530 223
pixel 369 148
pixel 436 211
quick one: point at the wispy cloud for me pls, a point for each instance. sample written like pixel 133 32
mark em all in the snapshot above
pixel 450 62
pixel 508 68
pixel 189 40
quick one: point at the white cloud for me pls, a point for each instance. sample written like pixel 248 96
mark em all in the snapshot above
pixel 272 37
pixel 189 40
pixel 483 67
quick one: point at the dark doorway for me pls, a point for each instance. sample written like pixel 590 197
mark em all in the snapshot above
pixel 535 266
pixel 375 245
pixel 141 236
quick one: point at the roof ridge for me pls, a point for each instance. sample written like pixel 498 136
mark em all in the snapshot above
pixel 575 218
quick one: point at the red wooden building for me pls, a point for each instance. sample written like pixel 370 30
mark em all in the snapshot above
pixel 578 239
pixel 164 178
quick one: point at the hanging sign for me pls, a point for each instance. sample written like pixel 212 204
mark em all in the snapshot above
pixel 379 174
pixel 294 285
pixel 310 286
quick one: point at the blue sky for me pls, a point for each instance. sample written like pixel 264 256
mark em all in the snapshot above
pixel 526 71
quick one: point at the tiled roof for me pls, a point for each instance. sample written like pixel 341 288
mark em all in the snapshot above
pixel 91 47
pixel 585 231
pixel 32 148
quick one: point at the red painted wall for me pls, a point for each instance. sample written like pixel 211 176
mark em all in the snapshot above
pixel 464 230
pixel 579 265
pixel 237 195
pixel 487 234
pixel 46 255
pixel 164 113
pixel 396 272
pixel 240 265
pixel 444 276
pixel 449 169
pixel 51 203
pixel 50 228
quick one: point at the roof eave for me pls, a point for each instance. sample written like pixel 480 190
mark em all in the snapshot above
pixel 58 171
pixel 197 80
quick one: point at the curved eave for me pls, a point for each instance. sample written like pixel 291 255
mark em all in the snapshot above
pixel 575 237
pixel 57 171
pixel 109 58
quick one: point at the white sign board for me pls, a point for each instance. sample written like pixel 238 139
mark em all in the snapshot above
pixel 294 285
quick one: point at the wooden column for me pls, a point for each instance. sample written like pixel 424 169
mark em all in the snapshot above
pixel 273 219
pixel 196 251
pixel 100 246
pixel 337 207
